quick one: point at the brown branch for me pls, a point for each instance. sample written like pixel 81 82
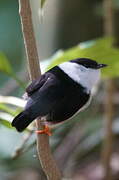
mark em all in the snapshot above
pixel 47 162
pixel 107 149
pixel 108 17
pixel 108 139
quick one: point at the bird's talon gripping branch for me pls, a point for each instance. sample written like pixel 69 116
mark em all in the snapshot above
pixel 46 130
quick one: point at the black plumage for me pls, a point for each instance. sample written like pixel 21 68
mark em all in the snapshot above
pixel 54 95
pixel 60 93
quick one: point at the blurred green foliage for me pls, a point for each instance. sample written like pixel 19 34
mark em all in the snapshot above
pixel 101 50
pixel 5 65
pixel 11 41
pixel 6 68
pixel 42 3
pixel 11 60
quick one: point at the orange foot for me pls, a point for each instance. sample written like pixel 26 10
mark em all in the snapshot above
pixel 46 130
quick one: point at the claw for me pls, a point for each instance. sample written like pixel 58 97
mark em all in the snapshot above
pixel 46 130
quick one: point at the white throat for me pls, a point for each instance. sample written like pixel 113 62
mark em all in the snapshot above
pixel 87 77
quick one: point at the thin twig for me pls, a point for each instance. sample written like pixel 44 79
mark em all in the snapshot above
pixel 108 139
pixel 67 146
pixel 64 153
pixel 47 162
pixel 20 149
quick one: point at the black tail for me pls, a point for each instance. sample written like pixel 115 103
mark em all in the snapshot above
pixel 21 121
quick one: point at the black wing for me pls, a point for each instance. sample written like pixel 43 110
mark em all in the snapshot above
pixel 43 96
pixel 37 84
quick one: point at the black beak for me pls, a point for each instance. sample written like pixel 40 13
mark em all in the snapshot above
pixel 101 66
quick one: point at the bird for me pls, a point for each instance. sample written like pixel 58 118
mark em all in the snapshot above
pixel 60 93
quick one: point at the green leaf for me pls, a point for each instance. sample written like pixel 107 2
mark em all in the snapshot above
pixel 6 123
pixel 6 68
pixel 5 119
pixel 42 3
pixel 5 65
pixel 7 109
pixel 12 101
pixel 101 50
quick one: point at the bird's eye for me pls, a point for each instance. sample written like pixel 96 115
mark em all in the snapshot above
pixel 86 65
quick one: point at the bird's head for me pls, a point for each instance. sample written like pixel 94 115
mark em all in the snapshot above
pixel 88 63
pixel 84 71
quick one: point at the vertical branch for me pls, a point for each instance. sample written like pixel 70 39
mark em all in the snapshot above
pixel 108 139
pixel 29 39
pixel 109 106
pixel 108 17
pixel 47 162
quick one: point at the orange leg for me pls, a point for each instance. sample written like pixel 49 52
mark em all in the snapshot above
pixel 46 130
